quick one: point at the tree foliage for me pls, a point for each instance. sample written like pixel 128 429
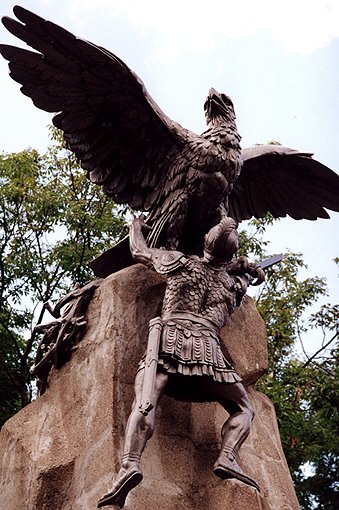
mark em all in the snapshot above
pixel 304 388
pixel 53 222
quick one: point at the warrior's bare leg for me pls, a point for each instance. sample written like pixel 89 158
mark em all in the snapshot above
pixel 139 429
pixel 234 399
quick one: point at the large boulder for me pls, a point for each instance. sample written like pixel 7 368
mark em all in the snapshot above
pixel 61 451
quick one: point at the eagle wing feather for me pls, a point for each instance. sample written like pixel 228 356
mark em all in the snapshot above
pixel 111 123
pixel 283 181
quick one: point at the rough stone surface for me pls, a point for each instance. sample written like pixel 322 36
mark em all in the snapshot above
pixel 244 342
pixel 61 451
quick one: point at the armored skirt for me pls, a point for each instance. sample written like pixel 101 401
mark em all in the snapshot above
pixel 189 353
pixel 193 349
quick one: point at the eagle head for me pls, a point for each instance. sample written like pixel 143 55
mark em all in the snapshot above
pixel 218 108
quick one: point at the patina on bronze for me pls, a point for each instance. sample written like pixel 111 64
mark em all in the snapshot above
pixel 184 359
pixel 195 188
pixel 187 182
pixel 60 335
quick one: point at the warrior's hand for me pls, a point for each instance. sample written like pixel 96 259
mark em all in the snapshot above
pixel 238 266
pixel 255 271
pixel 139 223
pixel 241 267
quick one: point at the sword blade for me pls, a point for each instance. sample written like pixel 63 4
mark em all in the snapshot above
pixel 275 259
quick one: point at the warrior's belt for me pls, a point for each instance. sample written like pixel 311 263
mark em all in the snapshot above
pixel 152 355
pixel 190 316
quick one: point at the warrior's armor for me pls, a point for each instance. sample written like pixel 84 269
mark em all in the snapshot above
pixel 198 302
pixel 184 357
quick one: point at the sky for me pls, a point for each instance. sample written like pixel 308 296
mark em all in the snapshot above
pixel 278 61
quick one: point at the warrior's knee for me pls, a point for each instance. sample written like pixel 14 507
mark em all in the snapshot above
pixel 247 408
pixel 147 425
pixel 144 424
pixel 249 411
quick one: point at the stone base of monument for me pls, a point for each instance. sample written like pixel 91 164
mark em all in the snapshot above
pixel 62 451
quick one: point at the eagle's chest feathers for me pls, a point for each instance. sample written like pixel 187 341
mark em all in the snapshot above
pixel 216 161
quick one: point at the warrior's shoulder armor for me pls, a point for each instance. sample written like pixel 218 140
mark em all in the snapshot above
pixel 169 261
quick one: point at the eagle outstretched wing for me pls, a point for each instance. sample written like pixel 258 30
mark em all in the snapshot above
pixel 274 179
pixel 144 159
pixel 111 123
pixel 283 181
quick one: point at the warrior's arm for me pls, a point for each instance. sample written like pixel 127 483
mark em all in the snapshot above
pixel 139 249
pixel 244 273
pixel 248 270
pixel 163 261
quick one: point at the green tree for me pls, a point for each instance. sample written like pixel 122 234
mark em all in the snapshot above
pixel 304 389
pixel 53 222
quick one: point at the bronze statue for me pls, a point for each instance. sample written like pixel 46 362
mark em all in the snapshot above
pixel 195 188
pixel 184 358
pixel 142 158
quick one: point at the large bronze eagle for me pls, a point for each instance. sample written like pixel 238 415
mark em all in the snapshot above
pixel 140 157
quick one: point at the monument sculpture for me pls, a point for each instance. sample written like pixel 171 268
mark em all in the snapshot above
pixel 195 189
pixel 183 357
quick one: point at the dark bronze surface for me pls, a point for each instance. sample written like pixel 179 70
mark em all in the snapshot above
pixel 187 182
pixel 61 334
pixel 201 295
pixel 195 188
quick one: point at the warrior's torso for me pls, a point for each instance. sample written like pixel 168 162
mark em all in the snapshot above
pixel 196 287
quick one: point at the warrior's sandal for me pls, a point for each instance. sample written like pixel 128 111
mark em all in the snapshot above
pixel 225 472
pixel 121 488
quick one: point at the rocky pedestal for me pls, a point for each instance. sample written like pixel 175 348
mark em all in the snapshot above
pixel 61 451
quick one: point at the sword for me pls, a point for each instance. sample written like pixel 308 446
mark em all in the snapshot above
pixel 152 356
pixel 275 259
pixel 264 264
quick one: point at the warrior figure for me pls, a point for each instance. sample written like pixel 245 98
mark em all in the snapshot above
pixel 187 361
